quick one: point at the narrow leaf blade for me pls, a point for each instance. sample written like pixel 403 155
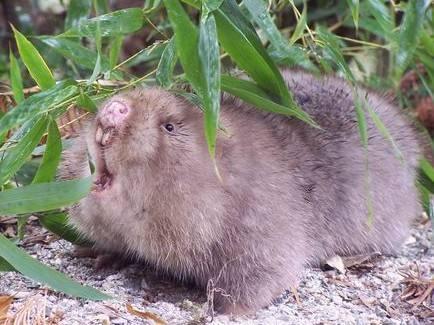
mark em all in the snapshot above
pixel 37 271
pixel 43 196
pixel 47 170
pixel 34 62
pixel 16 80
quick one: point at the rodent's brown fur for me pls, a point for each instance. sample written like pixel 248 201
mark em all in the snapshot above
pixel 290 194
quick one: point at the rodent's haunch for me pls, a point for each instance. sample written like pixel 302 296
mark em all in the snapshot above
pixel 290 194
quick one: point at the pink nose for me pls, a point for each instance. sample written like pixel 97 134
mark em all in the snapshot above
pixel 113 114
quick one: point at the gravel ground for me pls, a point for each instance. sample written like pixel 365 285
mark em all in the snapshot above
pixel 369 292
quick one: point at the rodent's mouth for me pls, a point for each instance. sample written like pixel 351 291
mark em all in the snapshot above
pixel 104 178
pixel 103 181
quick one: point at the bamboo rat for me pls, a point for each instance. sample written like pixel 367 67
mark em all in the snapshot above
pixel 289 196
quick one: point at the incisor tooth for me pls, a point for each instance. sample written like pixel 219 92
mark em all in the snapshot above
pixel 106 137
pixel 98 135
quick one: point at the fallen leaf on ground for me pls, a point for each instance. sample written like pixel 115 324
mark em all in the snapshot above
pixel 417 289
pixel 5 303
pixel 336 263
pixel 367 301
pixel 360 261
pixel 145 315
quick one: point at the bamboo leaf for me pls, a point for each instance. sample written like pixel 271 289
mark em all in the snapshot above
pixel 75 52
pixel 409 33
pixel 119 22
pixel 43 196
pixel 78 11
pixel 382 16
pixel 85 102
pixel 210 61
pixel 38 103
pixel 167 64
pixel 17 155
pixel 252 94
pixel 57 223
pixel 37 271
pixel 47 170
pixel 5 266
pixel 186 40
pixel 354 7
pixel 248 52
pixel 16 80
pixel 34 62
pixel 384 131
pixel 115 50
pixel 361 119
pixel 331 46
pixel 300 27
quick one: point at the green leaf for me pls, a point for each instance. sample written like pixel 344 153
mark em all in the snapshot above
pixel 119 22
pixel 361 119
pixel 101 6
pixel 57 223
pixel 5 266
pixel 85 102
pixel 331 46
pixel 383 130
pixel 210 61
pixel 300 27
pixel 37 271
pixel 78 11
pixel 354 7
pixel 382 16
pixel 151 5
pixel 115 50
pixel 97 68
pixel 43 196
pixel 209 6
pixel 166 65
pixel 248 51
pixel 38 103
pixel 427 168
pixel 409 34
pixel 251 93
pixel 34 62
pixel 16 80
pixel 186 40
pixel 16 156
pixel 72 50
pixel 47 170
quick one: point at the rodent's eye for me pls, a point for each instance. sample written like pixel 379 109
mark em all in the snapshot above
pixel 169 127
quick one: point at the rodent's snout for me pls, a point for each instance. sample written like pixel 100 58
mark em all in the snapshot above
pixel 109 120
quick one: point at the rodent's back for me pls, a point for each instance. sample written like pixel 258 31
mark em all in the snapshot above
pixel 348 186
